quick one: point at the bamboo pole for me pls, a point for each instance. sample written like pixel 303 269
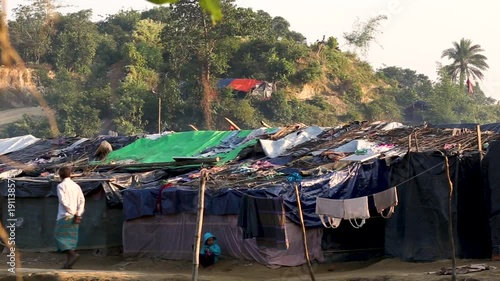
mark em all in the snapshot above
pixel 233 124
pixel 450 223
pixel 199 225
pixel 479 141
pixel 416 141
pixel 159 114
pixel 304 237
pixel 409 143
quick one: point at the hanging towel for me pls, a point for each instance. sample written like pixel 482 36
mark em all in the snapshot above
pixel 264 219
pixel 386 200
pixel 331 207
pixel 356 208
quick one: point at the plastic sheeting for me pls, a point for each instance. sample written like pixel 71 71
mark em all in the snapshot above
pixel 42 188
pixel 171 237
pixel 183 144
pixel 357 181
pixel 243 85
pixel 16 143
pixel 354 145
pixel 36 217
pixel 491 176
pixel 274 149
pixel 418 230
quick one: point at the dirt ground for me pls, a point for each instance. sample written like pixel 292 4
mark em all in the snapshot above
pixel 45 267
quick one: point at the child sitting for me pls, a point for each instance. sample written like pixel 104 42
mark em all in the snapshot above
pixel 210 251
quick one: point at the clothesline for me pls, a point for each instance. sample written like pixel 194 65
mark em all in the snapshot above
pixel 406 181
pixel 357 208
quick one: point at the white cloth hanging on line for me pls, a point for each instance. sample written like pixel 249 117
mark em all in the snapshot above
pixel 332 210
pixel 356 208
pixel 386 200
pixel 336 210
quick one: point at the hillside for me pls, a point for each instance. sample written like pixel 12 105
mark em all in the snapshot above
pixel 112 72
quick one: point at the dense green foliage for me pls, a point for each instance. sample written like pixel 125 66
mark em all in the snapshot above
pixel 110 74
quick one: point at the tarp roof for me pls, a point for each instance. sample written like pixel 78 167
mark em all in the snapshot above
pixel 243 85
pixel 16 143
pixel 224 144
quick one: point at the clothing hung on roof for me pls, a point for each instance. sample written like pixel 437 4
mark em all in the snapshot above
pixel 263 219
pixel 386 200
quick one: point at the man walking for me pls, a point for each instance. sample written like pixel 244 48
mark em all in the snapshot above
pixel 71 208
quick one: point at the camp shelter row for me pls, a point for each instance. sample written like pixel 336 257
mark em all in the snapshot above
pixel 141 210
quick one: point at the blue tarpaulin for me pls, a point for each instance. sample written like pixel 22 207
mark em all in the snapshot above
pixel 356 181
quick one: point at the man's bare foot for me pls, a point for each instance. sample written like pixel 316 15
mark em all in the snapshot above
pixel 72 261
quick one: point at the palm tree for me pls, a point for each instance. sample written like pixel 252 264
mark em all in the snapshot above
pixel 467 61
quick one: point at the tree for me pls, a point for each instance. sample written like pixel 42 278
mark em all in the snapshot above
pixel 194 47
pixel 467 61
pixel 31 31
pixel 364 33
pixel 76 34
pixel 210 6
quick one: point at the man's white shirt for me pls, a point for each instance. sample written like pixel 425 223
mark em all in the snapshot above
pixel 71 199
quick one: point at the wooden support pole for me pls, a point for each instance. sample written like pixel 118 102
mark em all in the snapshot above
pixel 233 124
pixel 199 225
pixel 304 237
pixel 450 223
pixel 479 140
pixel 409 143
pixel 193 127
pixel 159 114
pixel 416 141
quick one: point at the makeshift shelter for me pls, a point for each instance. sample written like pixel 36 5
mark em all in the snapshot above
pixel 247 87
pixel 342 164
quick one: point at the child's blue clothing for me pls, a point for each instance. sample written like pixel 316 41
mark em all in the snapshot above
pixel 212 250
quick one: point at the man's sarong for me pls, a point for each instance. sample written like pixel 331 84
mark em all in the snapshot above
pixel 66 234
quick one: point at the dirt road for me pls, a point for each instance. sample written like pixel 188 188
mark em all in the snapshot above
pixel 44 267
pixel 13 115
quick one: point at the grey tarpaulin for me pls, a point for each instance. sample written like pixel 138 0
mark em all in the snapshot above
pixel 36 217
pixel 171 237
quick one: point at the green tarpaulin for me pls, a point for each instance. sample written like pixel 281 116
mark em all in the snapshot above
pixel 183 144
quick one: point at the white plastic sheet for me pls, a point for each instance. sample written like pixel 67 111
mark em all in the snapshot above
pixel 354 145
pixel 16 143
pixel 274 149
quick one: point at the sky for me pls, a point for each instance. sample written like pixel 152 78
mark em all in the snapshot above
pixel 415 34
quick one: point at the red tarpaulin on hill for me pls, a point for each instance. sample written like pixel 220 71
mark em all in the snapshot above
pixel 244 85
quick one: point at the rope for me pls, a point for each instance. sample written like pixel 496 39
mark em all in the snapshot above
pixel 389 213
pixel 356 224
